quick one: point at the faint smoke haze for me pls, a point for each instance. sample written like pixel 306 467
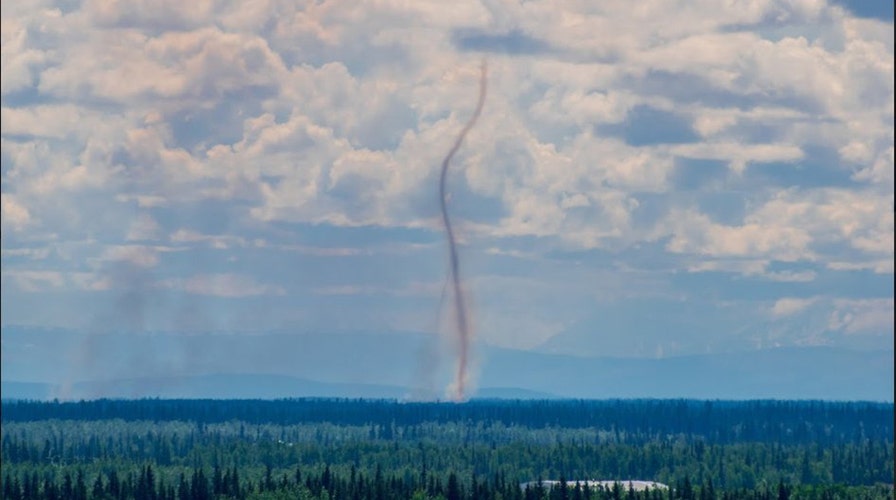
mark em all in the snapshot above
pixel 126 313
pixel 117 345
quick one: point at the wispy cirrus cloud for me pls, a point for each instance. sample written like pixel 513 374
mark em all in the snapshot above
pixel 226 285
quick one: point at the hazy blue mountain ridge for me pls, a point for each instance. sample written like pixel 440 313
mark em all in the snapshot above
pixel 59 363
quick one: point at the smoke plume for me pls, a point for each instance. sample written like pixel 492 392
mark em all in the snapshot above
pixel 462 327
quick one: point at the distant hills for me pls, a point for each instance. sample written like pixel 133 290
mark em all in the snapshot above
pixel 231 386
pixel 47 363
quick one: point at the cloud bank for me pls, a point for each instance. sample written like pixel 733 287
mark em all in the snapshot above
pixel 722 154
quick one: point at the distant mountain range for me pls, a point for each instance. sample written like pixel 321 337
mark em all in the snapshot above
pixel 230 386
pixel 47 363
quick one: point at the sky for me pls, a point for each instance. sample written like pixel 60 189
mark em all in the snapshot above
pixel 646 179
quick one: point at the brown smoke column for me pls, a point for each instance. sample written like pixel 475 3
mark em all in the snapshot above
pixel 460 308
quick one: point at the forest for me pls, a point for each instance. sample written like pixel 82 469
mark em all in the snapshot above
pixel 481 449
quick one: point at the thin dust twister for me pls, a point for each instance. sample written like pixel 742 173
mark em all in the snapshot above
pixel 460 309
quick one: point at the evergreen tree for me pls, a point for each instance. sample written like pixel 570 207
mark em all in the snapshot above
pixel 15 491
pixel 217 481
pixel 783 491
pixel 234 487
pixel 7 482
pixel 68 490
pixel 27 493
pixel 114 486
pixel 98 491
pixel 50 491
pixel 453 491
pixel 184 491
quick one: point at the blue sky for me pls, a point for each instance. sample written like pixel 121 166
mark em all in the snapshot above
pixel 667 179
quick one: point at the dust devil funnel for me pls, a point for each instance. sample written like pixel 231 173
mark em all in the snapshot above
pixel 462 327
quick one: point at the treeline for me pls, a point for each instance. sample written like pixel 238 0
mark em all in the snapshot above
pixel 143 484
pixel 159 449
pixel 469 449
pixel 782 422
